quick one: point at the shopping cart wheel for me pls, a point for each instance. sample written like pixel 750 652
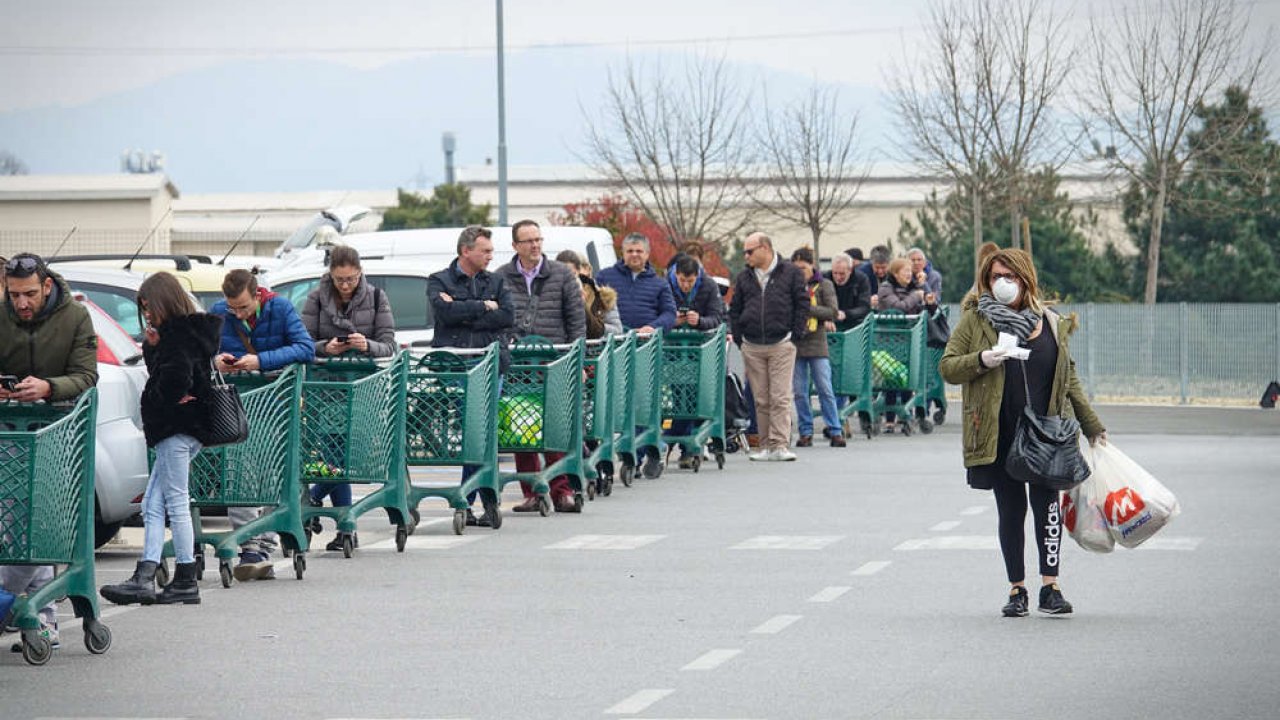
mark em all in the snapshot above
pixel 402 536
pixel 544 505
pixel 697 463
pixel 868 428
pixel 224 572
pixel 591 490
pixel 348 545
pixel 300 564
pixel 652 467
pixel 97 637
pixel 163 576
pixel 926 427
pixel 905 428
pixel 417 518
pixel 627 474
pixel 199 565
pixel 36 648
pixel 578 501
pixel 607 489
pixel 939 417
pixel 459 521
pixel 719 461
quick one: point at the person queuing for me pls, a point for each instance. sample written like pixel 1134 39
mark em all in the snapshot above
pixel 472 308
pixel 346 315
pixel 924 273
pixel 995 393
pixel 178 347
pixel 769 310
pixel 548 303
pixel 698 307
pixel 812 357
pixel 899 291
pixel 48 345
pixel 876 268
pixel 599 303
pixel 261 331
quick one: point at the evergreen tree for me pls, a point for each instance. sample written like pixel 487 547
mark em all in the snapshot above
pixel 448 206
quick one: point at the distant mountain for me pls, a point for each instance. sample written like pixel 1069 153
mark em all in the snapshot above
pixel 285 124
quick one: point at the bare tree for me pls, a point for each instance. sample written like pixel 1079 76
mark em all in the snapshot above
pixel 11 164
pixel 810 161
pixel 1027 70
pixel 940 101
pixel 675 145
pixel 1150 67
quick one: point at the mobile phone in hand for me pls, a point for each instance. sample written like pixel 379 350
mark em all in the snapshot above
pixel 9 382
pixel 341 339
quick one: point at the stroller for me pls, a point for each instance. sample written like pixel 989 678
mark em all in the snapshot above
pixel 738 414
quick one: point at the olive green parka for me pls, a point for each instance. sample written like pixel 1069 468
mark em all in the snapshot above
pixel 982 388
pixel 58 345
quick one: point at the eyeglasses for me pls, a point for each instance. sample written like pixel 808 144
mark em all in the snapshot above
pixel 537 240
pixel 747 251
pixel 21 266
pixel 344 281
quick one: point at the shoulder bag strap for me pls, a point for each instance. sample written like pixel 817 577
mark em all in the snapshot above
pixel 248 344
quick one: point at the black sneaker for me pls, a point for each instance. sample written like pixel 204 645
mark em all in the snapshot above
pixel 1017 605
pixel 1052 602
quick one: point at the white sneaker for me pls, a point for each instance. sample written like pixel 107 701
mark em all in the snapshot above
pixel 761 456
pixel 782 455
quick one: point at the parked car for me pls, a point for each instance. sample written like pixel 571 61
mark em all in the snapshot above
pixel 404 283
pixel 113 290
pixel 120 469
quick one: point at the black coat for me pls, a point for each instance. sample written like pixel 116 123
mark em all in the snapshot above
pixel 465 322
pixel 178 366
pixel 764 316
pixel 854 298
pixel 706 301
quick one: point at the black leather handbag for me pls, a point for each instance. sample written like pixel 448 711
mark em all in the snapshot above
pixel 939 329
pixel 1046 449
pixel 225 422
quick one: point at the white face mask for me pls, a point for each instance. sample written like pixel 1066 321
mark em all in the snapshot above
pixel 1005 290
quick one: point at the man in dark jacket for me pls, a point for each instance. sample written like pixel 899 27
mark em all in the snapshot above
pixel 697 297
pixel 876 269
pixel 770 309
pixel 48 344
pixel 853 293
pixel 260 331
pixel 548 302
pixel 472 308
pixel 644 298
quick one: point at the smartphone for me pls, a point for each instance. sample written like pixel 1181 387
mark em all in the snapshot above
pixel 9 382
pixel 341 338
pixel 683 311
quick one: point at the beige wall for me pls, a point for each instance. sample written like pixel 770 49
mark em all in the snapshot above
pixel 102 225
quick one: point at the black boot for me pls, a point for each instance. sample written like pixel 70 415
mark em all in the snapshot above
pixel 140 588
pixel 183 589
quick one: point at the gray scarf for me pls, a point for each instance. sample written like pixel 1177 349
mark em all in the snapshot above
pixel 1019 323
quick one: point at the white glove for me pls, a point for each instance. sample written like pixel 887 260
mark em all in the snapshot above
pixel 993 357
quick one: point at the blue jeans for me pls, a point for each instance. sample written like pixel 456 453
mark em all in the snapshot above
pixel 819 368
pixel 333 451
pixel 167 493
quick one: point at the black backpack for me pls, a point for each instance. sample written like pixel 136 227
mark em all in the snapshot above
pixel 736 412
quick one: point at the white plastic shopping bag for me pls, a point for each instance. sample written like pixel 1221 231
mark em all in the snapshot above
pixel 1135 505
pixel 1083 514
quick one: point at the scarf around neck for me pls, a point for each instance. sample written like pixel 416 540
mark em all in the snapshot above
pixel 1019 323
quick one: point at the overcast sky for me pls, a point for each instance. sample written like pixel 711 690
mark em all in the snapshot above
pixel 67 52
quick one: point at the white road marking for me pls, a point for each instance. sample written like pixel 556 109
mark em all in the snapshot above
pixel 425 542
pixel 775 624
pixel 604 542
pixel 1171 543
pixel 712 660
pixel 638 702
pixel 974 510
pixel 787 542
pixel 952 542
pixel 830 593
pixel 945 526
pixel 873 567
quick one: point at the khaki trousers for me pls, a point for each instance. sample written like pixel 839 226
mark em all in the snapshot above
pixel 769 369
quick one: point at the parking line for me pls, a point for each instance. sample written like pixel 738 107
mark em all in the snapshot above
pixel 945 525
pixel 974 510
pixel 638 702
pixel 775 624
pixel 712 660
pixel 829 594
pixel 873 567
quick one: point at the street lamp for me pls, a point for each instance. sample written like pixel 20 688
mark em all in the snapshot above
pixel 502 130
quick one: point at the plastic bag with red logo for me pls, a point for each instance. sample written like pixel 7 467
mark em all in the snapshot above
pixel 1083 515
pixel 1136 505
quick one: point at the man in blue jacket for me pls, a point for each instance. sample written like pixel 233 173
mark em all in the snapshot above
pixel 644 296
pixel 260 331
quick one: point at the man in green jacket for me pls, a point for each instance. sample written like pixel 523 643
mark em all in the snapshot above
pixel 48 346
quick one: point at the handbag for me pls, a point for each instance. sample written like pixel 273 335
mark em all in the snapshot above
pixel 225 420
pixel 1046 448
pixel 939 329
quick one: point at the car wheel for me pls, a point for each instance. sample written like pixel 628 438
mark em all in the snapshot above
pixel 103 532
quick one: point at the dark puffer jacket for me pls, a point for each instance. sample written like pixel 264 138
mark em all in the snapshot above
pixel 854 298
pixel 178 365
pixel 643 299
pixel 764 316
pixel 554 310
pixel 466 322
pixel 704 299
pixel 368 313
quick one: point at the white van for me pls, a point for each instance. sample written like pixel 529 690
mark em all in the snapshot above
pixel 437 247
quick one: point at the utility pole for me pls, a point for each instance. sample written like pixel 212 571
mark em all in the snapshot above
pixel 449 144
pixel 502 129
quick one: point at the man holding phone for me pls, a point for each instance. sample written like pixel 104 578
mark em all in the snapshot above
pixel 48 351
pixel 260 331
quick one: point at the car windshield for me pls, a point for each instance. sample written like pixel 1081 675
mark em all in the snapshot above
pixel 110 333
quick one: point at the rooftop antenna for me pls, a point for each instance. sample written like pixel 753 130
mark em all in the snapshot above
pixel 64 240
pixel 236 244
pixel 145 240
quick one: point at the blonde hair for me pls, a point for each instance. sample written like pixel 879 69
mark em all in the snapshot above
pixel 1021 264
pixel 897 264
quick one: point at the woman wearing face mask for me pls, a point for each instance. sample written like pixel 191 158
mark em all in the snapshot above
pixel 994 394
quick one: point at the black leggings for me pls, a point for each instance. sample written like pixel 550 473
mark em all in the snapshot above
pixel 1011 505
